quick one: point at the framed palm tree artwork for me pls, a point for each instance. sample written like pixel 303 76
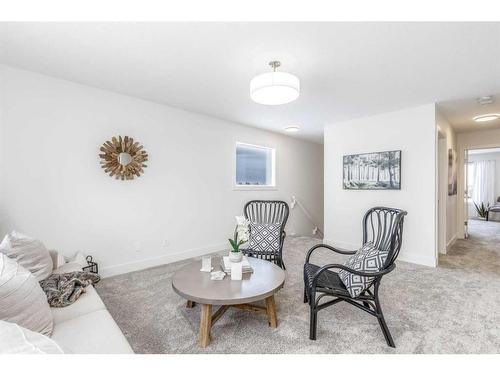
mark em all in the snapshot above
pixel 372 171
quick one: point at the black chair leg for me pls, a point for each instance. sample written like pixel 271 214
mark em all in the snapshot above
pixel 383 326
pixel 385 331
pixel 313 323
pixel 305 295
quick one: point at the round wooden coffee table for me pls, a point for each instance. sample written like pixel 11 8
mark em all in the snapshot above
pixel 196 286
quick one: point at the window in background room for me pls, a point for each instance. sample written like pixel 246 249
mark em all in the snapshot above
pixel 255 166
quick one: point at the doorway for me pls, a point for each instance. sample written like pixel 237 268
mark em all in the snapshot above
pixel 481 208
pixel 482 193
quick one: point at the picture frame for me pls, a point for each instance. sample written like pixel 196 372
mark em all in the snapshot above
pixel 372 171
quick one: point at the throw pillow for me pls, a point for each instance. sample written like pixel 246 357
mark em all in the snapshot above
pixel 80 259
pixel 57 259
pixel 67 267
pixel 366 259
pixel 29 253
pixel 22 300
pixel 18 340
pixel 265 237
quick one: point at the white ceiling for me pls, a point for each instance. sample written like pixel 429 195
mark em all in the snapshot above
pixel 460 113
pixel 347 70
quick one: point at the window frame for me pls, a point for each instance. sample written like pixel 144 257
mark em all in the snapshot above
pixel 273 185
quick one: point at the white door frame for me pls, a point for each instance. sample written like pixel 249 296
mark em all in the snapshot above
pixel 461 214
pixel 465 196
pixel 442 193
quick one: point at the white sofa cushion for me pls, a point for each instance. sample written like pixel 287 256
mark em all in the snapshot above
pixel 67 267
pixel 22 300
pixel 92 333
pixel 87 302
pixel 29 253
pixel 86 326
pixel 15 339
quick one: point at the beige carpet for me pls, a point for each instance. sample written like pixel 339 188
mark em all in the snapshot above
pixel 450 309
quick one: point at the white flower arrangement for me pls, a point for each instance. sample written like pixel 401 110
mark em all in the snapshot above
pixel 241 235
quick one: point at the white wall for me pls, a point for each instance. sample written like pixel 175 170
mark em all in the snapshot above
pixel 53 187
pixel 445 128
pixel 414 132
pixel 471 140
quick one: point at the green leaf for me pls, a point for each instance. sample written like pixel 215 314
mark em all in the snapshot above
pixel 234 245
pixel 481 209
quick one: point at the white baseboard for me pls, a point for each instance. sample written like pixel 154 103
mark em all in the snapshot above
pixel 158 261
pixel 423 261
pixel 409 258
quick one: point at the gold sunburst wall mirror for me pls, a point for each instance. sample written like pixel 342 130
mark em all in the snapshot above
pixel 123 158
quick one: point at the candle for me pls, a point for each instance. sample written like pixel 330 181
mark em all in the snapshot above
pixel 236 271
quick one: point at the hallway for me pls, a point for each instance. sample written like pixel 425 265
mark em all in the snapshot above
pixel 480 253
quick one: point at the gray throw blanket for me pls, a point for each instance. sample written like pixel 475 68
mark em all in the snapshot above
pixel 65 288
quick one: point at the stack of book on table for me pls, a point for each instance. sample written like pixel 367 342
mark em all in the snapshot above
pixel 245 265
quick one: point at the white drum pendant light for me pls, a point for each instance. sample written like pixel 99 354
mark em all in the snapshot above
pixel 274 88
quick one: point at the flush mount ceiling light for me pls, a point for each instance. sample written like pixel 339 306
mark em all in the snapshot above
pixel 292 129
pixel 274 88
pixel 485 100
pixel 487 117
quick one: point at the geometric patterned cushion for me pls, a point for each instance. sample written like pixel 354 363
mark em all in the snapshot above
pixel 265 237
pixel 366 259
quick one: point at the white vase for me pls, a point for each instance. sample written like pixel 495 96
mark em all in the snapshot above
pixel 235 257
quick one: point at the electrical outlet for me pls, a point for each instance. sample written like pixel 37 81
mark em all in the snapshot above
pixel 165 244
pixel 138 246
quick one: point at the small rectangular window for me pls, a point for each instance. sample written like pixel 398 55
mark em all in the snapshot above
pixel 255 166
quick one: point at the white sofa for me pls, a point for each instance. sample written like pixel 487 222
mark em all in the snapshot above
pixel 86 327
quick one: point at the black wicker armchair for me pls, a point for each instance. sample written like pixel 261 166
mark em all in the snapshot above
pixel 384 228
pixel 268 212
